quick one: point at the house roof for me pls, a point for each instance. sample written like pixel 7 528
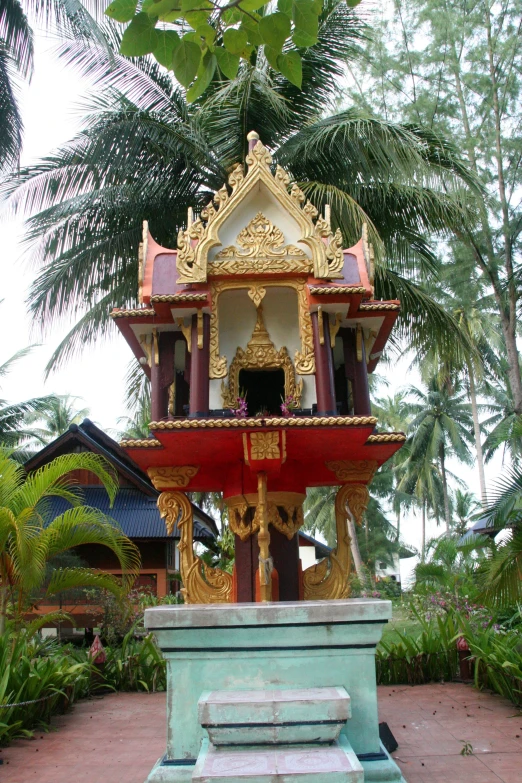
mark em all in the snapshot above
pixel 482 527
pixel 135 512
pixel 321 550
pixel 134 507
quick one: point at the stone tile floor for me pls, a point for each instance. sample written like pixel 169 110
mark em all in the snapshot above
pixel 118 738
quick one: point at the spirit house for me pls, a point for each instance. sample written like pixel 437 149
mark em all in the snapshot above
pixel 258 334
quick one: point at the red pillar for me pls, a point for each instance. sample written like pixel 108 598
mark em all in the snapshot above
pixel 357 371
pixel 324 375
pixel 199 366
pixel 162 373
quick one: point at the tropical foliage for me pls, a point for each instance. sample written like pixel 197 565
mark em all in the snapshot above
pixel 143 153
pixel 30 538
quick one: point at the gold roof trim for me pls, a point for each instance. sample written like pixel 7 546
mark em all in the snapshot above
pixel 143 313
pixel 318 290
pixel 273 421
pixel 202 235
pixel 387 437
pixel 189 296
pixel 378 306
pixel 140 443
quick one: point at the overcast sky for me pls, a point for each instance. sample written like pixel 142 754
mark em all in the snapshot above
pixel 52 116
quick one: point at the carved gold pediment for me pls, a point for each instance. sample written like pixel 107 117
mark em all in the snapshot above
pixel 260 248
pixel 200 236
pixel 260 354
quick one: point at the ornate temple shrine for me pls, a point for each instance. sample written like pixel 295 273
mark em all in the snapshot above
pixel 258 334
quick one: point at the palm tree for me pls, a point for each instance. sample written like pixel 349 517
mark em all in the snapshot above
pixel 17 58
pixel 421 481
pixel 465 507
pixel 56 419
pixel 29 538
pixel 145 154
pixel 502 572
pixel 441 427
pixel 504 425
pixel 15 417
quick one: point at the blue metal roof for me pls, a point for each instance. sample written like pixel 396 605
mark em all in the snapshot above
pixel 135 512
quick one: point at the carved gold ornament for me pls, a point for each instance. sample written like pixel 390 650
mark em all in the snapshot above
pixel 387 437
pixel 276 421
pixel 260 354
pixel 172 477
pixel 353 470
pixel 201 584
pixel 376 307
pixel 328 579
pixel 140 443
pixel 334 326
pixel 285 513
pixel 304 360
pixel 143 313
pixel 202 235
pixel 264 445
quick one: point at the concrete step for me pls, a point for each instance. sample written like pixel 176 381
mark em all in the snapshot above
pixel 336 763
pixel 289 715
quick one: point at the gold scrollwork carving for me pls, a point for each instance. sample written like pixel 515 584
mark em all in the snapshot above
pixel 172 477
pixel 260 354
pixel 304 359
pixel 201 584
pixel 285 513
pixel 353 470
pixel 260 239
pixel 328 579
pixel 256 294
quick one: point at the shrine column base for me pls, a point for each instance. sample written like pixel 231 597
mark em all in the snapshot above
pixel 267 648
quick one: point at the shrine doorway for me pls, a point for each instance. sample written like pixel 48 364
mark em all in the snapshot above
pixel 264 389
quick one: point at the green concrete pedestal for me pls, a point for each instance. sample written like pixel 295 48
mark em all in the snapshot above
pixel 239 647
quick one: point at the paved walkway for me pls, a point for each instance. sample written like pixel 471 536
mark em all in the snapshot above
pixel 118 738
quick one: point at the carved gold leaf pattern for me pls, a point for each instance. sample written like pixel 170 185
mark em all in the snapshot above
pixel 265 445
pixel 172 477
pixel 353 470
pixel 261 240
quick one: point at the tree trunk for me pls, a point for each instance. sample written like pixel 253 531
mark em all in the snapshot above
pixel 476 431
pixel 3 608
pixel 447 517
pixel 398 518
pixel 354 545
pixel 423 549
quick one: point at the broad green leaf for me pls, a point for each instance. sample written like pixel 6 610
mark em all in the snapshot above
pixel 235 40
pixel 306 23
pixel 272 55
pixel 252 5
pixel 186 60
pixel 207 32
pixel 228 63
pixel 162 8
pixel 317 6
pixel 275 29
pixel 164 52
pixel 252 29
pixel 122 10
pixel 140 37
pixel 232 16
pixel 196 18
pixel 191 5
pixel 352 3
pixel 285 6
pixel 291 67
pixel 205 73
pixel 247 52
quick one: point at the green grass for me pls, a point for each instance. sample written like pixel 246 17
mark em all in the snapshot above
pixel 402 622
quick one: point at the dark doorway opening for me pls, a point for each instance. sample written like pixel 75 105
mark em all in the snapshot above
pixel 264 389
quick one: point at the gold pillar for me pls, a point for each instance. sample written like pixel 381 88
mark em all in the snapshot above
pixel 263 539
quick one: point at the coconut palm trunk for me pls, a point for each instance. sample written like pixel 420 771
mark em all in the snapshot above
pixel 476 433
pixel 442 459
pixel 423 549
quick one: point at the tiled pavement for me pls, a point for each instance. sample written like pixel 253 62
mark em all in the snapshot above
pixel 432 723
pixel 117 738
